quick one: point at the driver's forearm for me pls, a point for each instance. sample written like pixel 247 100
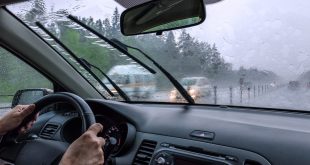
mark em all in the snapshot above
pixel 2 132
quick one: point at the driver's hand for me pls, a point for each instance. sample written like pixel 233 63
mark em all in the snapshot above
pixel 13 118
pixel 87 149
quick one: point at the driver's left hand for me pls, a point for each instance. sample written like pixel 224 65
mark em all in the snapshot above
pixel 12 119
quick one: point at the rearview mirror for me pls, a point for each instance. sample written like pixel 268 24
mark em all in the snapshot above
pixel 29 96
pixel 162 15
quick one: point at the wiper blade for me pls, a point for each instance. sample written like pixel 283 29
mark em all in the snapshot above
pixel 116 87
pixel 122 48
pixel 72 18
pixel 177 85
pixel 74 56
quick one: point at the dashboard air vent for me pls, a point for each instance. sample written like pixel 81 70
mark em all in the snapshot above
pixel 49 131
pixel 145 152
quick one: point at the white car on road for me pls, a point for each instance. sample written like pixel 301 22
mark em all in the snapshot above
pixel 197 87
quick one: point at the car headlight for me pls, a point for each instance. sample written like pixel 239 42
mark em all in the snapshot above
pixel 173 94
pixel 193 93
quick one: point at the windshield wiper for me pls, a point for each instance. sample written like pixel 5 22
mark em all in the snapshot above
pixel 177 85
pixel 72 18
pixel 75 57
pixel 123 48
pixel 116 87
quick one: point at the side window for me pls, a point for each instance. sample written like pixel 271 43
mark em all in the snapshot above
pixel 16 75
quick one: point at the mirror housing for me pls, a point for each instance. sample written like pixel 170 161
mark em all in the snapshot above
pixel 29 96
pixel 162 15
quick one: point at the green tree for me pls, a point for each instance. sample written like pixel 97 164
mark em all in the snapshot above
pixel 116 19
pixel 185 44
pixel 108 28
pixel 37 10
pixel 115 27
pixel 99 26
pixel 90 22
pixel 171 48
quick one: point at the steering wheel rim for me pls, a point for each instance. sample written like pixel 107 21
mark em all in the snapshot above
pixel 83 109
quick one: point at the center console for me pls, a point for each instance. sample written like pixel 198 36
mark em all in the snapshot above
pixel 170 154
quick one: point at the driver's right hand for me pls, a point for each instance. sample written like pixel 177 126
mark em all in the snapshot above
pixel 87 149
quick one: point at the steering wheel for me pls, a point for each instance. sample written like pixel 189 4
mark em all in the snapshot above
pixel 42 151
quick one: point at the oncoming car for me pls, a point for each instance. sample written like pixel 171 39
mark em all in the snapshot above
pixel 197 87
pixel 173 82
pixel 135 81
pixel 294 85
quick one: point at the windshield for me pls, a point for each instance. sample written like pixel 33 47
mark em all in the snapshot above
pixel 119 79
pixel 188 82
pixel 253 53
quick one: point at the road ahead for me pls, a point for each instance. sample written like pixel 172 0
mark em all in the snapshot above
pixel 285 98
pixel 275 98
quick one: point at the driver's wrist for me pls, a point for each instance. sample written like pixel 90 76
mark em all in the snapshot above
pixel 2 132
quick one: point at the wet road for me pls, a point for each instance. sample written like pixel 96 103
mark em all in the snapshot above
pixel 283 98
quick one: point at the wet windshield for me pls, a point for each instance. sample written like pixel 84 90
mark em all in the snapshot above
pixel 188 82
pixel 247 53
pixel 119 79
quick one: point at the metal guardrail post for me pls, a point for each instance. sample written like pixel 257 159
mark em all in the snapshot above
pixel 249 92
pixel 231 95
pixel 254 88
pixel 215 94
pixel 241 93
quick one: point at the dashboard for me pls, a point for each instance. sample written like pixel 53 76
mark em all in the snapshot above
pixel 161 134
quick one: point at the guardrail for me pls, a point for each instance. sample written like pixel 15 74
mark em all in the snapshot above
pixel 242 94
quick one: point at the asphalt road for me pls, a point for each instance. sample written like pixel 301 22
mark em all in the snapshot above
pixel 285 98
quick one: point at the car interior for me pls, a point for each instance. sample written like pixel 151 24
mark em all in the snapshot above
pixel 143 133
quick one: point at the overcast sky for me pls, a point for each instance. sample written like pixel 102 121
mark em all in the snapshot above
pixel 270 35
